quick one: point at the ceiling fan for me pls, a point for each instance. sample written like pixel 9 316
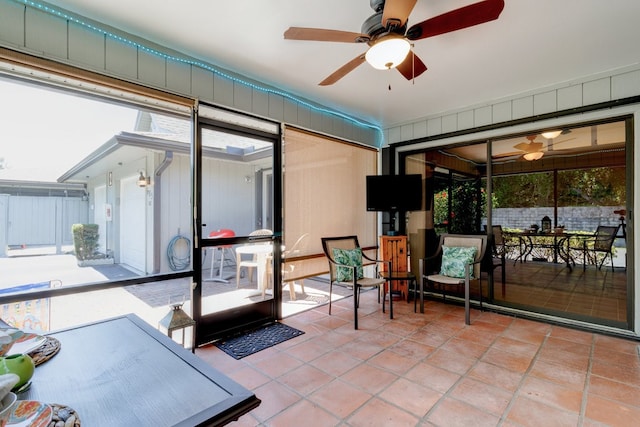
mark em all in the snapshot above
pixel 389 39
pixel 529 150
pixel 533 150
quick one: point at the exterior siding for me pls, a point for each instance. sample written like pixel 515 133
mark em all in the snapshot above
pixel 33 220
pixel 619 84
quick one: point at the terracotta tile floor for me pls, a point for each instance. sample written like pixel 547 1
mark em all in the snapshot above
pixel 431 370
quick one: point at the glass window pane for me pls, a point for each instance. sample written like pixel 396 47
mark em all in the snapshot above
pixel 237 200
pixel 91 191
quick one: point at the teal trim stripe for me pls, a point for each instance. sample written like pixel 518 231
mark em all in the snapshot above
pixel 202 65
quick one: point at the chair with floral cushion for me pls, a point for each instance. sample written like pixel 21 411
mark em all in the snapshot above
pixel 346 259
pixel 460 258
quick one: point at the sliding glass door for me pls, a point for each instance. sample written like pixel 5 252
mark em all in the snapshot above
pixel 561 203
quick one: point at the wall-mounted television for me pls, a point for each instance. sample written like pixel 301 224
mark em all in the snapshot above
pixel 392 193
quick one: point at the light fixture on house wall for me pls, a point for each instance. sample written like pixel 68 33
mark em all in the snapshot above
pixel 143 181
pixel 551 134
pixel 388 51
pixel 534 155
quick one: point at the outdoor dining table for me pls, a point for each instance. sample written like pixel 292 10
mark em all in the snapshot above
pixel 529 241
pixel 123 372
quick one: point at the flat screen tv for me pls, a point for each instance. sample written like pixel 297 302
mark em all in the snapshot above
pixel 392 193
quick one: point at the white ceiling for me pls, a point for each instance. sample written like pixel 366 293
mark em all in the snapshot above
pixel 533 44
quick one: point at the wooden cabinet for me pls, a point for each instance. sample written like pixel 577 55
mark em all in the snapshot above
pixel 394 248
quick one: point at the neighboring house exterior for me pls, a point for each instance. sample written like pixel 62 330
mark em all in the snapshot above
pixel 138 223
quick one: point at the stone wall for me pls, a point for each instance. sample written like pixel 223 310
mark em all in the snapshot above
pixel 573 218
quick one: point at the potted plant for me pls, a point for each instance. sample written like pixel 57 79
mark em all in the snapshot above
pixel 85 242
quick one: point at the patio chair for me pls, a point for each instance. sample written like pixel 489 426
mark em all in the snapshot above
pixel 249 264
pixel 460 264
pixel 218 234
pixel 600 243
pixel 497 255
pixel 346 259
pixel 288 268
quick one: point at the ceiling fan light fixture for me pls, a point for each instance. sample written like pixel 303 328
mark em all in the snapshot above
pixel 551 134
pixel 535 155
pixel 388 52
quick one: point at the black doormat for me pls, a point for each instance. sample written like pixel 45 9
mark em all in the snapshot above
pixel 240 346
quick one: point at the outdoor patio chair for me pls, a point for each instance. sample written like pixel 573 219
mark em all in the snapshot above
pixel 250 264
pixel 288 268
pixel 460 263
pixel 600 243
pixel 346 260
pixel 218 234
pixel 498 254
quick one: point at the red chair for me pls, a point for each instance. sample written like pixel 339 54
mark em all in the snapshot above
pixel 218 234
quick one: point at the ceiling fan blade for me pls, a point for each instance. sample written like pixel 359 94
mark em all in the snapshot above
pixel 467 16
pixel 324 35
pixel 397 11
pixel 504 155
pixel 554 142
pixel 343 71
pixel 412 66
pixel 529 146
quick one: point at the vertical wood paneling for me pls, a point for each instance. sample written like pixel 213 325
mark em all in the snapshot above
pixel 260 103
pixel 178 77
pixel 242 96
pixel 86 47
pixel 626 84
pixel 450 123
pixel 501 112
pixel 597 91
pixel 339 128
pixel 12 23
pixel 545 102
pixel 152 69
pixel 420 129
pixel 290 111
pixel 315 120
pixel 522 107
pixel 228 200
pixel 222 90
pixel 32 220
pixel 395 134
pixel 121 58
pixel 406 132
pixel 482 116
pixel 465 120
pixel 327 123
pixel 175 204
pixel 304 116
pixel 434 126
pixel 570 97
pixel 46 33
pixel 201 83
pixel 276 106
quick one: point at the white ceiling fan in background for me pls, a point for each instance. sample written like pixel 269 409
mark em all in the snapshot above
pixel 532 150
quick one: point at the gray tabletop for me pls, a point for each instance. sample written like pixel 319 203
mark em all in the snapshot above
pixel 123 372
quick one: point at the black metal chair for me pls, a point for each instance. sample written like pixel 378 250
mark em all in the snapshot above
pixel 600 243
pixel 346 268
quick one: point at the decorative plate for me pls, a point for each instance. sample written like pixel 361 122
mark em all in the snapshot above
pixel 30 413
pixel 27 343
